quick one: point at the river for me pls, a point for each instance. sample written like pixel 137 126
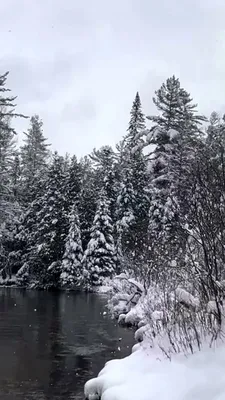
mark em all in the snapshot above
pixel 51 343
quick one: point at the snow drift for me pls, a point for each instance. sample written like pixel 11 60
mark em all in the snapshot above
pixel 144 375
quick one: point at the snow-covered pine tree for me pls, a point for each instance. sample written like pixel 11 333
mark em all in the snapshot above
pixel 215 139
pixel 9 209
pixel 34 159
pixel 140 177
pixel 88 200
pixel 22 256
pixel 71 271
pixel 133 197
pixel 136 127
pixel 73 183
pixel 177 110
pixel 125 216
pixel 7 151
pixel 105 174
pixel 7 108
pixel 162 179
pixel 99 259
pixel 51 226
pixel 176 137
pixel 16 176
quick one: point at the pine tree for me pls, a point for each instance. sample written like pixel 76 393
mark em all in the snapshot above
pixel 125 216
pixel 136 126
pixel 7 151
pixel 9 209
pixel 105 174
pixel 133 197
pixel 99 259
pixel 177 110
pixel 7 109
pixel 71 273
pixel 88 200
pixel 34 158
pixel 160 186
pixel 215 133
pixel 16 176
pixel 50 228
pixel 176 139
pixel 73 183
pixel 23 256
pixel 215 146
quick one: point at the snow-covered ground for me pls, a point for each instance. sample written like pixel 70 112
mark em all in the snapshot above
pixel 166 363
pixel 145 375
pixel 8 281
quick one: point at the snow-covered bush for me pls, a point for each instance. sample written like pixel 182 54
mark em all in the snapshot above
pixel 178 321
pixel 126 293
pixel 22 275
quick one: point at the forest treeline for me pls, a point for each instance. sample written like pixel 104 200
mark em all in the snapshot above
pixel 154 205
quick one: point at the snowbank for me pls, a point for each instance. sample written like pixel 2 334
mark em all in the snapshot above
pixel 143 376
pixel 135 315
pixel 165 363
pixel 9 281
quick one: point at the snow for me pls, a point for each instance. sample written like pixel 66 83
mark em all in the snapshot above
pixel 187 298
pixel 172 133
pixel 213 306
pixel 104 289
pixel 139 286
pixel 156 368
pixel 141 333
pixel 157 315
pixel 121 319
pixel 135 315
pixel 145 376
pixel 8 281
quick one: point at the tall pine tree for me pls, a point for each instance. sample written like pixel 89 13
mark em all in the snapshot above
pixel 176 107
pixel 9 209
pixel 133 197
pixel 50 228
pixel 34 158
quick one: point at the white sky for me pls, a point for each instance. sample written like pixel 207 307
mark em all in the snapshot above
pixel 79 64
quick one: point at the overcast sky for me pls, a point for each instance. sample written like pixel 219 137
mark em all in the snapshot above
pixel 78 64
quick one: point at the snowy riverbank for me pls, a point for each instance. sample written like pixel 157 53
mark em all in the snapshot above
pixel 176 362
pixel 147 375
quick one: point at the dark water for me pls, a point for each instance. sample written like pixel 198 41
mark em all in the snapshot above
pixel 51 343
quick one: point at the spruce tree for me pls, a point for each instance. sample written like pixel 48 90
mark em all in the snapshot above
pixel 71 272
pixel 99 259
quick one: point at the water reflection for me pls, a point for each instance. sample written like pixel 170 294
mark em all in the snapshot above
pixel 51 343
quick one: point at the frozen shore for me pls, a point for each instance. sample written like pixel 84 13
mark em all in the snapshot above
pixel 156 369
pixel 145 376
